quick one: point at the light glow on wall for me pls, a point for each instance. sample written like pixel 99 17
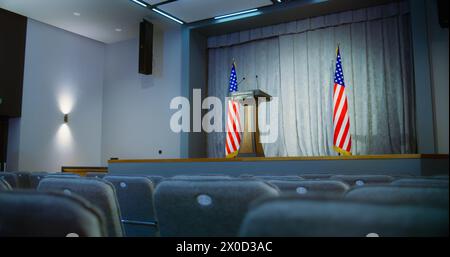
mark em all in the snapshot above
pixel 65 102
pixel 64 136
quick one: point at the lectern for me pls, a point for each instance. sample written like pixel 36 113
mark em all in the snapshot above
pixel 251 144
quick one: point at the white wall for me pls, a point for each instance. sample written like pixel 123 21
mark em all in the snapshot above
pixel 136 110
pixel 62 71
pixel 113 110
pixel 438 42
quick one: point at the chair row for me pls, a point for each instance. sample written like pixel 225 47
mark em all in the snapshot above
pixel 217 205
pixel 31 179
pixel 28 180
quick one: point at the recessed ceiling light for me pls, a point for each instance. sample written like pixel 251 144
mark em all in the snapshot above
pixel 235 14
pixel 76 13
pixel 118 29
pixel 167 15
pixel 140 3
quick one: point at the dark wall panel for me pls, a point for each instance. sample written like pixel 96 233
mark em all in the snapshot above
pixel 3 141
pixel 12 57
pixel 198 70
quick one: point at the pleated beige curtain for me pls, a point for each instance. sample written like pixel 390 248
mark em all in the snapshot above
pixel 295 62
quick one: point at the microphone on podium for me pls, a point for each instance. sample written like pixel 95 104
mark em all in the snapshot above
pixel 242 80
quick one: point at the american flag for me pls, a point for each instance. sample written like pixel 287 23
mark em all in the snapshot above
pixel 233 139
pixel 342 141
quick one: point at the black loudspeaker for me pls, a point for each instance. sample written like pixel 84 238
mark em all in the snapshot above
pixel 443 13
pixel 145 47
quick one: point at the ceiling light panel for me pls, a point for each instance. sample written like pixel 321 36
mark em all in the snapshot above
pixel 153 2
pixel 139 2
pixel 195 10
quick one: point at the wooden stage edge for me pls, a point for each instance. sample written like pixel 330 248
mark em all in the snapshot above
pixel 392 164
pixel 303 158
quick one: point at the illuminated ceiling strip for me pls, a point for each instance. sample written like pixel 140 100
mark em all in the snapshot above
pixel 234 14
pixel 167 15
pixel 140 3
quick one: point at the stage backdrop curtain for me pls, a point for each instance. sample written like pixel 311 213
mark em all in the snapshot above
pixel 295 62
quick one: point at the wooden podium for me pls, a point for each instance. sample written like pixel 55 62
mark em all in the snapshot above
pixel 251 144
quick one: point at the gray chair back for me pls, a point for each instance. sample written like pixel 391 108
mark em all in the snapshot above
pixel 11 178
pixel 201 177
pixel 303 187
pixel 421 182
pixel 4 186
pixel 286 178
pixel 98 192
pixel 315 176
pixel 361 180
pixel 23 179
pixel 35 178
pixel 437 197
pixel 96 174
pixel 206 207
pixel 310 218
pixel 39 214
pixel 135 196
pixel 63 174
pixel 155 179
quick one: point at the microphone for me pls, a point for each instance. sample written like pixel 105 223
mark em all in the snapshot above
pixel 242 80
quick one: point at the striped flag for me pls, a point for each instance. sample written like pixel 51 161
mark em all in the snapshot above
pixel 342 141
pixel 233 138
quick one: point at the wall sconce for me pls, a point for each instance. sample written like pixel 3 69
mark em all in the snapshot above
pixel 66 118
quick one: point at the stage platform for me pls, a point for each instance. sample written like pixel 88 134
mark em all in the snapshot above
pixel 403 164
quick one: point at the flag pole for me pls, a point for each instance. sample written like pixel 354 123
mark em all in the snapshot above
pixel 333 61
pixel 332 72
pixel 333 67
pixel 337 51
